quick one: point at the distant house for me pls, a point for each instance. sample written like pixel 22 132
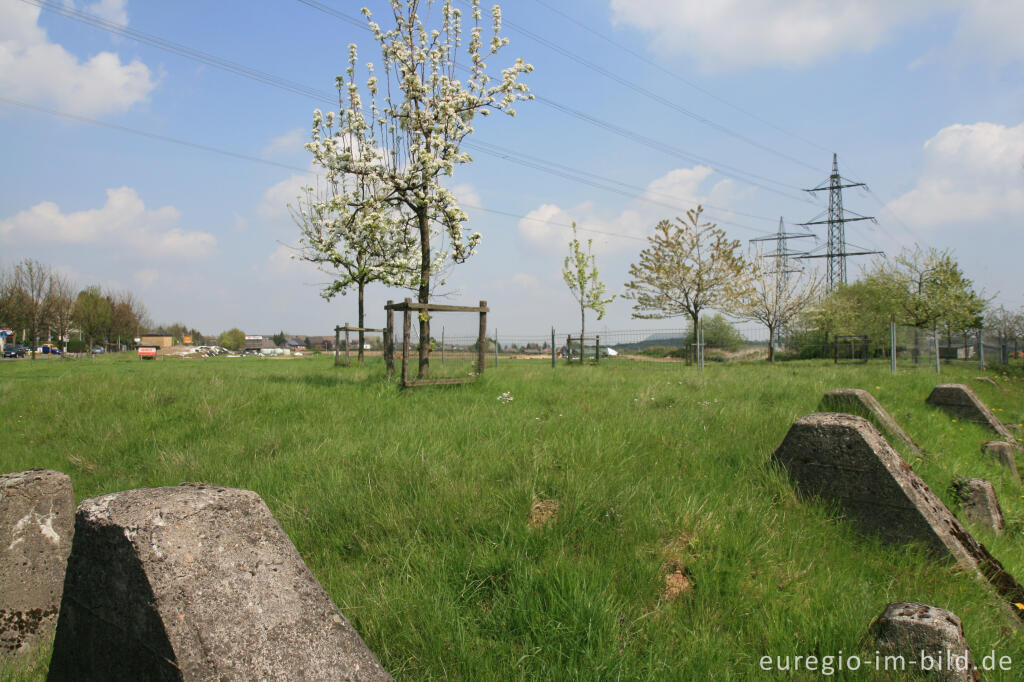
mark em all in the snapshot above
pixel 322 342
pixel 294 344
pixel 257 342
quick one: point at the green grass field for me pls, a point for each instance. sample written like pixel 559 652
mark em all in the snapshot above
pixel 413 508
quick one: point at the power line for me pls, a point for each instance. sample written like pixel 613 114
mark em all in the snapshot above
pixel 254 159
pixel 649 94
pixel 153 136
pixel 600 183
pixel 672 74
pixel 724 169
pixel 321 95
pixel 183 50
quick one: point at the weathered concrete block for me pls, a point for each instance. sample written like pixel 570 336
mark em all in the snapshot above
pixel 959 401
pixel 843 458
pixel 197 582
pixel 1002 452
pixel 978 503
pixel 37 509
pixel 925 638
pixel 863 404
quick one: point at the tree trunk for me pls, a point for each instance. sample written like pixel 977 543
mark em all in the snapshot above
pixel 771 344
pixel 362 287
pixel 583 326
pixel 424 291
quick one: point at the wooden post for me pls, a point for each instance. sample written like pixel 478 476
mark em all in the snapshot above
pixel 389 339
pixel 347 343
pixel 442 345
pixel 481 355
pixel 597 348
pixel 406 331
pixel 495 346
pixel 581 349
pixel 552 348
pixel 336 350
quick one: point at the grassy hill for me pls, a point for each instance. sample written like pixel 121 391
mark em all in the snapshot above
pixel 471 538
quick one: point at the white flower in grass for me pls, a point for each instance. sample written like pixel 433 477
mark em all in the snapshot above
pixel 506 397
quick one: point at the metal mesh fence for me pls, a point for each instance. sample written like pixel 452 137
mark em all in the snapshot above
pixel 455 354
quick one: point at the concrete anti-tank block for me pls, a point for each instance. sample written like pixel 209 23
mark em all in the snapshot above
pixel 843 458
pixel 197 582
pixel 37 512
pixel 927 639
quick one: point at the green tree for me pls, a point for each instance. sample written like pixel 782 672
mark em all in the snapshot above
pixel 33 283
pixel 720 333
pixel 279 338
pixel 407 138
pixel 356 245
pixel 232 339
pixel 777 297
pixel 91 314
pixel 689 266
pixel 580 273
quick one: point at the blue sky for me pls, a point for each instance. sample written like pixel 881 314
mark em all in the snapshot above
pixel 924 102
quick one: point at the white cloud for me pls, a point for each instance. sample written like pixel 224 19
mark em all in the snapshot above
pixel 797 33
pixel 991 29
pixel 288 144
pixel 122 224
pixel 972 173
pixel 549 225
pixel 33 68
pixel 732 33
pixel 274 206
pixel 467 196
pixel 146 278
pixel 111 10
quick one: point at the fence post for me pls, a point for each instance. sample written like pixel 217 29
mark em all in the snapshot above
pixel 406 332
pixel 552 348
pixel 597 348
pixel 495 346
pixel 347 344
pixel 389 339
pixel 938 367
pixel 892 346
pixel 700 344
pixel 442 345
pixel 481 342
pixel 981 351
pixel 337 350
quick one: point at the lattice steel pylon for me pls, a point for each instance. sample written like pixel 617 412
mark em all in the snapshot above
pixel 782 256
pixel 836 252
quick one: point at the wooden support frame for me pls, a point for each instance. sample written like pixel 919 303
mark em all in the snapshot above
pixel 407 307
pixel 568 347
pixel 348 330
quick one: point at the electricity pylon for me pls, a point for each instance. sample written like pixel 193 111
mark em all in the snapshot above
pixel 836 252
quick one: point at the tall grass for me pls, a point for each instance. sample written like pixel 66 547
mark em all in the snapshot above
pixel 413 508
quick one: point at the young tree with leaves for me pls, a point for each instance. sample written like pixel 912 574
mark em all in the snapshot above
pixel 355 245
pixel 777 297
pixel 689 266
pixel 92 313
pixel 407 140
pixel 580 273
pixel 62 305
pixel 33 283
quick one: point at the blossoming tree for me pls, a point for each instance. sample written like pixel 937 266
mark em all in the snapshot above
pixel 688 266
pixel 397 148
pixel 580 273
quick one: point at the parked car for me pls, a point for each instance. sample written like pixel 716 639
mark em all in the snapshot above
pixel 96 350
pixel 14 351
